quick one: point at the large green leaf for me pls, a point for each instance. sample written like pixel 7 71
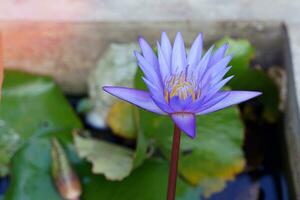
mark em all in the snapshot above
pixel 31 173
pixel 34 105
pixel 31 166
pixel 31 179
pixel 36 109
pixel 147 182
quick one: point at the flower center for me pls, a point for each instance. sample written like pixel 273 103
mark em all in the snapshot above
pixel 179 85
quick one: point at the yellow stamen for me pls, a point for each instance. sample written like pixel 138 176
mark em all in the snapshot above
pixel 181 87
pixel 167 96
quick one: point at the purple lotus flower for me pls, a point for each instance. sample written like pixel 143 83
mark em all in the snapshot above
pixel 182 86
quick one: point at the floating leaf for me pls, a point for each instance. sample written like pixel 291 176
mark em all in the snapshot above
pixel 37 110
pixel 114 161
pixel 31 179
pixel 122 120
pixel 34 105
pixel 148 182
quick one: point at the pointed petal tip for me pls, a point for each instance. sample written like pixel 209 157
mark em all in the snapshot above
pixel 248 94
pixel 192 134
pixel 179 37
pixel 142 42
pixel 164 34
pixel 109 89
pixel 251 94
pixel 106 88
pixel 224 46
pixel 256 93
pixel 229 57
pixel 178 34
pixel 186 122
pixel 140 38
pixel 209 51
pixel 230 77
pixel 165 40
pixel 200 36
pixel 232 98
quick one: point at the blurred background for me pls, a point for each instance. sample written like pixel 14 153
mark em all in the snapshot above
pixel 58 54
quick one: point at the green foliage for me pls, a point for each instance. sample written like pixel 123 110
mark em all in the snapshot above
pixel 9 143
pixel 114 161
pixel 31 165
pixel 35 106
pixel 36 109
pixel 246 78
pixel 31 172
pixel 147 182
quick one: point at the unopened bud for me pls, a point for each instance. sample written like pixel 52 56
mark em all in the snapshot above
pixel 66 180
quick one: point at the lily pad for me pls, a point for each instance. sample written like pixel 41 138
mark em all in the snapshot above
pixel 33 105
pixel 36 109
pixel 31 179
pixel 31 173
pixel 114 161
pixel 148 182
